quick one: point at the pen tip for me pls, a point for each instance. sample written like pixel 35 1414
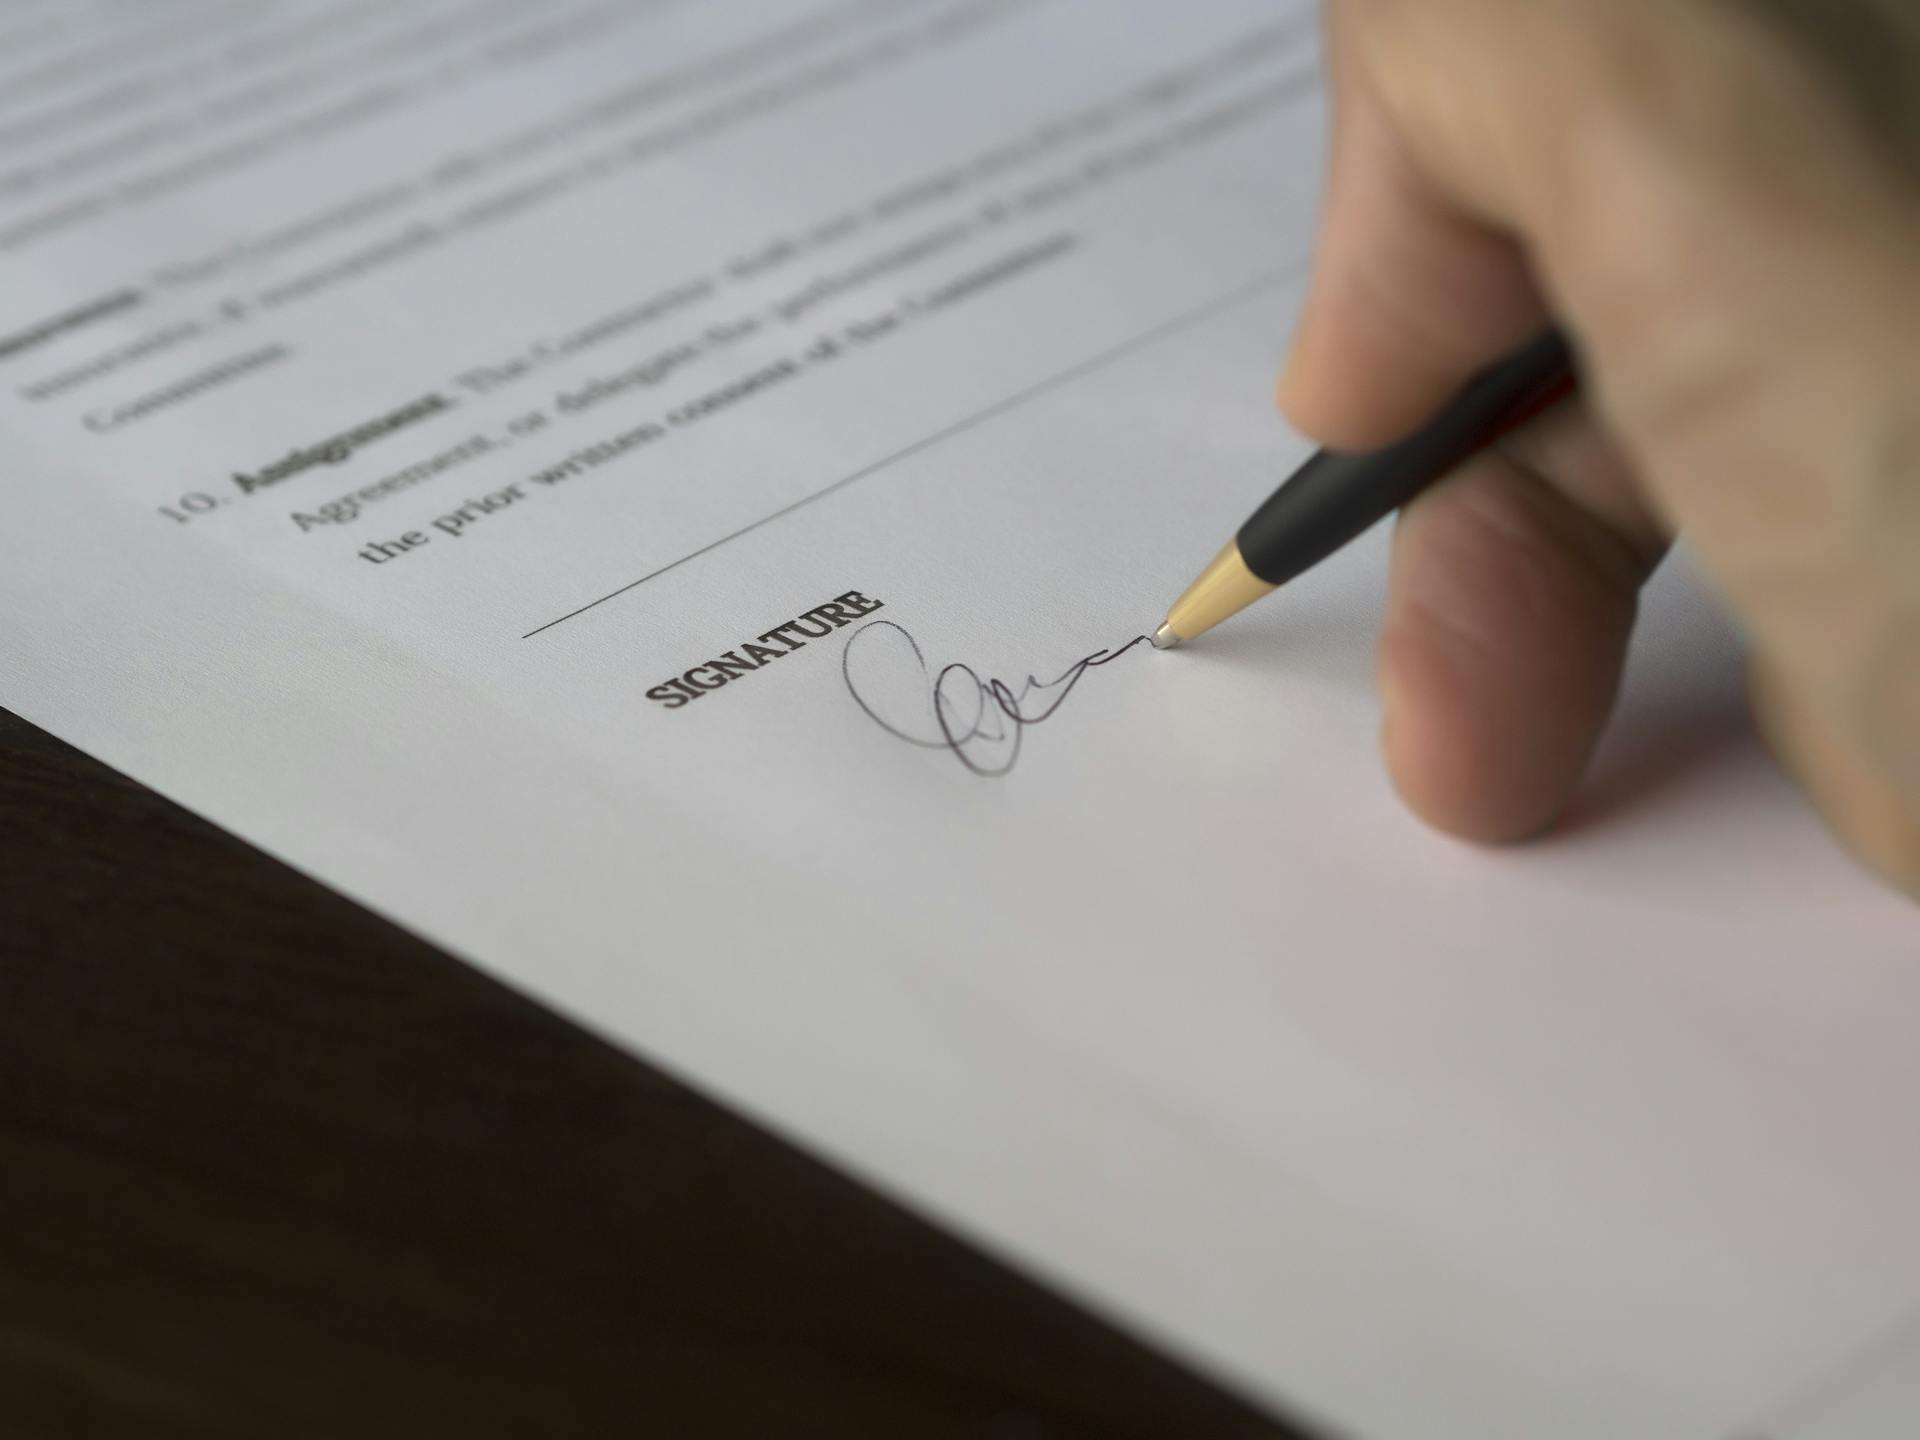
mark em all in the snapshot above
pixel 1165 639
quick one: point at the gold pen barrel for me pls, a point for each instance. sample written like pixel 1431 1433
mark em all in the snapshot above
pixel 1225 588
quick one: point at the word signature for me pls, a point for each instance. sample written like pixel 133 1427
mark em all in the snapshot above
pixel 982 721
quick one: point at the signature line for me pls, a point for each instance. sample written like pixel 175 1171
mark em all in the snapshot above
pixel 1166 328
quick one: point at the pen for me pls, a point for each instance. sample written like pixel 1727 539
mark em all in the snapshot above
pixel 1337 496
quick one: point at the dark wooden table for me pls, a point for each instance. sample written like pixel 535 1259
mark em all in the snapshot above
pixel 270 1166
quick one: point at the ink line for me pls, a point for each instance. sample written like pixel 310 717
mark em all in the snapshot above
pixel 973 715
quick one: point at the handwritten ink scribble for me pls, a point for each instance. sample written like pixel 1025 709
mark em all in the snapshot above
pixel 981 721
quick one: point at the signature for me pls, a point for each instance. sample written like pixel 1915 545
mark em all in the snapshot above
pixel 982 721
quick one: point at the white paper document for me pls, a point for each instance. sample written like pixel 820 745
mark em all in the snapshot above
pixel 534 467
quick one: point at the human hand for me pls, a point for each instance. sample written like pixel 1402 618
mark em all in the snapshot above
pixel 1720 201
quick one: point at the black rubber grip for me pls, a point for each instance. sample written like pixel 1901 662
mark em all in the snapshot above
pixel 1335 498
